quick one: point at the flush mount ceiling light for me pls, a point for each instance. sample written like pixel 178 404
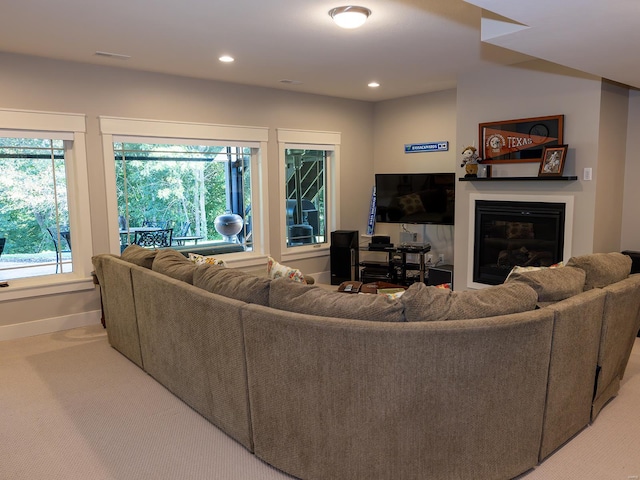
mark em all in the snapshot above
pixel 349 16
pixel 226 59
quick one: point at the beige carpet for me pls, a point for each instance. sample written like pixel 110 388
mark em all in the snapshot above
pixel 72 408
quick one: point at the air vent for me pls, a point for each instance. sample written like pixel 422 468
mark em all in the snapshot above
pixel 291 82
pixel 112 55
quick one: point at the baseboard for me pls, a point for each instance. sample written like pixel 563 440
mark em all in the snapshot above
pixel 49 325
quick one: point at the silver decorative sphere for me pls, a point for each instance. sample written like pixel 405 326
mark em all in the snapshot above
pixel 228 224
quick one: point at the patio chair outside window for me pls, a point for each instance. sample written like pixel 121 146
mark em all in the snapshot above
pixel 156 238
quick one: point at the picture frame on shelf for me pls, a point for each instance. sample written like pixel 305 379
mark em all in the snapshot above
pixel 519 141
pixel 552 162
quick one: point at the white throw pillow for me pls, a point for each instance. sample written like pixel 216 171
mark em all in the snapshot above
pixel 208 260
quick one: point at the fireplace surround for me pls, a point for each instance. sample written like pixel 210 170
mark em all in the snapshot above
pixel 517 230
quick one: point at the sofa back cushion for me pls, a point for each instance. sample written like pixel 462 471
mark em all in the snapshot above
pixel 232 283
pixel 552 284
pixel 423 303
pixel 138 255
pixel 297 297
pixel 174 264
pixel 602 269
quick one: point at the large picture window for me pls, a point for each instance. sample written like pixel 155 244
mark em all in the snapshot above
pixel 190 186
pixel 177 195
pixel 35 234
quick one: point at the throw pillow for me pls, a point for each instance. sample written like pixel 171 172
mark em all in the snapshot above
pixel 206 259
pixel 277 270
pixel 551 284
pixel 232 283
pixel 424 304
pixel 519 269
pixel 602 269
pixel 314 300
pixel 139 255
pixel 173 264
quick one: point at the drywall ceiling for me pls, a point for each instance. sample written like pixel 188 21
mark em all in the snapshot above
pixel 408 46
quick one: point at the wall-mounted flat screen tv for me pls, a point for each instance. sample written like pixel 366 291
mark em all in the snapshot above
pixel 415 198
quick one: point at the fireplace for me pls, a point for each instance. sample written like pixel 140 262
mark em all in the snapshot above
pixel 510 233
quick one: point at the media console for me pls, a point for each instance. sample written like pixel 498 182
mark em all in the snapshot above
pixel 395 268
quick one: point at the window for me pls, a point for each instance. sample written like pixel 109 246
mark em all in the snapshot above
pixel 193 191
pixel 203 182
pixel 34 220
pixel 310 186
pixel 45 238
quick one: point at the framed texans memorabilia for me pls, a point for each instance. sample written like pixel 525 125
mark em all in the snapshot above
pixel 522 140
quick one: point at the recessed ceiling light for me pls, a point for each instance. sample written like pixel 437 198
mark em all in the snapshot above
pixel 349 16
pixel 226 59
pixel 374 85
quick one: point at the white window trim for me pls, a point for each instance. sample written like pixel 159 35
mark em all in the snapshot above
pixel 319 140
pixel 66 126
pixel 185 132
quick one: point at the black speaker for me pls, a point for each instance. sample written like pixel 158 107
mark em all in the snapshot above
pixel 344 256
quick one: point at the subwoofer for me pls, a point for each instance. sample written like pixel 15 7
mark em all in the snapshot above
pixel 344 256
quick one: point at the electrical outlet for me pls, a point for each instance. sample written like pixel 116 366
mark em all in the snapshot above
pixel 429 258
pixel 441 258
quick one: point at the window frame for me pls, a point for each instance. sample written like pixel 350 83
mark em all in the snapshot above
pixel 311 140
pixel 159 131
pixel 70 127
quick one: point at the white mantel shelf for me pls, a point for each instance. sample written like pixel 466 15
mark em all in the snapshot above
pixel 518 179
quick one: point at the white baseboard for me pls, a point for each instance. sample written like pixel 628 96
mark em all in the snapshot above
pixel 49 325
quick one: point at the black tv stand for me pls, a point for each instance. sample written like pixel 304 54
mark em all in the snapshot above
pixel 395 268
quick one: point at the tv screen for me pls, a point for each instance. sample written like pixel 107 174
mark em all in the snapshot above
pixel 415 198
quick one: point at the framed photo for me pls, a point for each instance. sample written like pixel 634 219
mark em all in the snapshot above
pixel 522 140
pixel 552 162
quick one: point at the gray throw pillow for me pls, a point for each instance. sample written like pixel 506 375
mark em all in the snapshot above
pixel 424 304
pixel 297 297
pixel 233 283
pixel 139 255
pixel 552 284
pixel 602 269
pixel 173 264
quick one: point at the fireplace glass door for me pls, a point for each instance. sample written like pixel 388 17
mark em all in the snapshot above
pixel 515 233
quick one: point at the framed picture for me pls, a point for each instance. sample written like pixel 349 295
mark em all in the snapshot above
pixel 552 162
pixel 522 140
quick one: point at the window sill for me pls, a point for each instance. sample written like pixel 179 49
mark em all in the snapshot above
pixel 311 251
pixel 41 286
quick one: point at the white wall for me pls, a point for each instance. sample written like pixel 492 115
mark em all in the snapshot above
pixel 32 83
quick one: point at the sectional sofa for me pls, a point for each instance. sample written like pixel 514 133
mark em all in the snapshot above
pixel 327 385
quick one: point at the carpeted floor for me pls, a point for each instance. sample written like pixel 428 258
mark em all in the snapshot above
pixel 73 408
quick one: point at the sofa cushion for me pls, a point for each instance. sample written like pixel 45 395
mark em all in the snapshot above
pixel 423 303
pixel 232 283
pixel 552 284
pixel 138 255
pixel 173 264
pixel 602 269
pixel 277 270
pixel 314 300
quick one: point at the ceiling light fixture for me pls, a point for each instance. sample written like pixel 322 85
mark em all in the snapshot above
pixel 374 85
pixel 349 16
pixel 226 59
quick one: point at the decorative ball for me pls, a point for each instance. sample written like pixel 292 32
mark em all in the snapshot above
pixel 228 224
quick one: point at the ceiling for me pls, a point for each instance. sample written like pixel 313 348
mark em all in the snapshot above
pixel 408 46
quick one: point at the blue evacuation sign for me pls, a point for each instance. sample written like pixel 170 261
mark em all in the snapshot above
pixel 426 147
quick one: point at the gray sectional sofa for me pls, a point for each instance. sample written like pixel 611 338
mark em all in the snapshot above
pixel 325 385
